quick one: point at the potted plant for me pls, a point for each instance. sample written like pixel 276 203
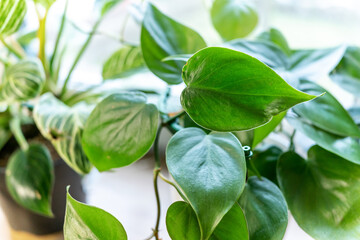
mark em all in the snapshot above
pixel 41 122
pixel 232 185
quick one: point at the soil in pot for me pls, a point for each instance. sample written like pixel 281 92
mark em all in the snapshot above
pixel 24 223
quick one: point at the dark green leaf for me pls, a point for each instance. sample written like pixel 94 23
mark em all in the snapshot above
pixel 30 178
pixel 326 112
pixel 231 91
pixel 162 37
pixel 347 73
pixel 23 80
pixel 124 62
pixel 63 126
pixel 276 37
pixel 265 161
pixel 181 222
pixel 120 130
pixel 265 209
pixel 12 13
pixel 346 147
pixel 233 18
pixel 86 222
pixel 210 169
pixel 322 193
pixel 232 226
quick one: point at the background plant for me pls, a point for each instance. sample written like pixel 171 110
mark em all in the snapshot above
pixel 236 94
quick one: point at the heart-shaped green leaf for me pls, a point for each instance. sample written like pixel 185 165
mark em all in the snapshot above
pixel 120 130
pixel 23 80
pixel 86 222
pixel 124 62
pixel 265 209
pixel 30 178
pixel 210 169
pixel 346 147
pixel 265 161
pixel 322 193
pixel 326 112
pixel 233 18
pixel 274 36
pixel 12 13
pixel 63 128
pixel 162 37
pixel 182 224
pixel 230 91
pixel 232 226
pixel 347 72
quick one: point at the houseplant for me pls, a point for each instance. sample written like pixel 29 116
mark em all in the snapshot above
pixel 227 192
pixel 41 120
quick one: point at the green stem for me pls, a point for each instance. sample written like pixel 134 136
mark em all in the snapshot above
pixel 15 126
pixel 248 157
pixel 78 57
pixel 292 145
pixel 12 49
pixel 58 37
pixel 42 38
pixel 158 205
pixel 157 170
pixel 174 185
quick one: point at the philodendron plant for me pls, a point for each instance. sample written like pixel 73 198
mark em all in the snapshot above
pixel 32 93
pixel 233 185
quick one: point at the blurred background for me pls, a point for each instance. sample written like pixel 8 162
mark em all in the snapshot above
pixel 127 193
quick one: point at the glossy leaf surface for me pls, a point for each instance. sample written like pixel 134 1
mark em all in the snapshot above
pixel 322 193
pixel 23 80
pixel 12 13
pixel 86 222
pixel 265 209
pixel 231 91
pixel 124 62
pixel 182 224
pixel 120 130
pixel 63 126
pixel 346 147
pixel 233 18
pixel 232 226
pixel 326 112
pixel 347 72
pixel 210 169
pixel 30 178
pixel 162 37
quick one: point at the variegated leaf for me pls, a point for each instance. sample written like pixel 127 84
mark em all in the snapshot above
pixel 23 81
pixel 63 125
pixel 12 13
